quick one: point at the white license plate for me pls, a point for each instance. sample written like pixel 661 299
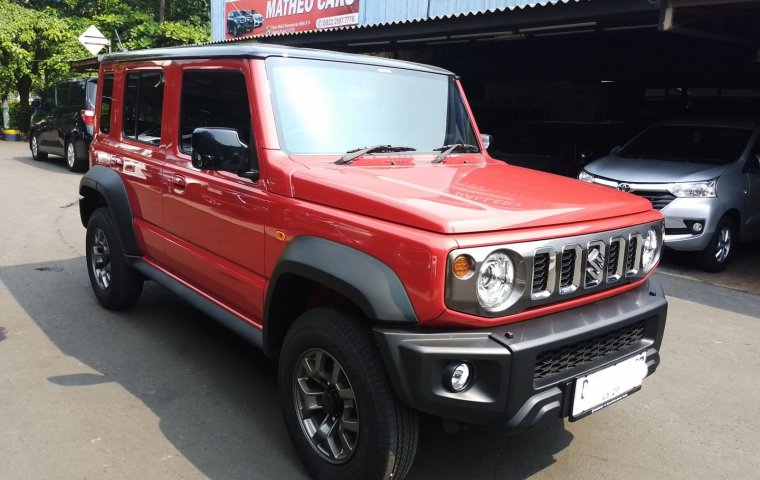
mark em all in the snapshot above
pixel 605 387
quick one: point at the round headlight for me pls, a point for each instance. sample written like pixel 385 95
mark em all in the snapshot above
pixel 650 250
pixel 496 279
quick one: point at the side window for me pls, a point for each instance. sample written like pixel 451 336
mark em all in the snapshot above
pixel 76 95
pixel 754 158
pixel 62 94
pixel 143 102
pixel 48 99
pixel 105 103
pixel 213 99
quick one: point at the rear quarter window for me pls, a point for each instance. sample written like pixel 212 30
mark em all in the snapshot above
pixel 106 100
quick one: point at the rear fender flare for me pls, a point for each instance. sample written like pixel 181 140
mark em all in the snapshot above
pixel 100 181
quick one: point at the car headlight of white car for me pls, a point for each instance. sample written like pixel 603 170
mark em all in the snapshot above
pixel 694 189
pixel 585 176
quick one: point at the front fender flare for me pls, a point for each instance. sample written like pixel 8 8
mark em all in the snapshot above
pixel 371 284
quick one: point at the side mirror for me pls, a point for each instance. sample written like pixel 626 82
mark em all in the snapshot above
pixel 486 139
pixel 615 150
pixel 221 149
pixel 36 103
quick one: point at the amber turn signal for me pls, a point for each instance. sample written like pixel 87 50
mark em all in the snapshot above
pixel 463 267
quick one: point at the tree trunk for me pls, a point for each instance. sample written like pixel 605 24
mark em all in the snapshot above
pixel 161 8
pixel 24 86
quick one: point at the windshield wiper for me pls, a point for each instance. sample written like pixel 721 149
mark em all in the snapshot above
pixel 352 155
pixel 446 150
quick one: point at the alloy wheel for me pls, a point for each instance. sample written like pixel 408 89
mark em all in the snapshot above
pixel 35 148
pixel 326 406
pixel 723 246
pixel 101 259
pixel 71 157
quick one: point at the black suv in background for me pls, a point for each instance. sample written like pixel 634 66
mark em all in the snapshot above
pixel 62 122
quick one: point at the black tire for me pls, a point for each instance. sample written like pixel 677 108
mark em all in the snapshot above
pixel 115 284
pixel 385 440
pixel 75 162
pixel 34 146
pixel 721 248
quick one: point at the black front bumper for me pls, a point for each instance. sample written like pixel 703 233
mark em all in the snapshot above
pixel 523 372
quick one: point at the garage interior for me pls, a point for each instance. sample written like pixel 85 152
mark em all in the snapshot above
pixel 560 85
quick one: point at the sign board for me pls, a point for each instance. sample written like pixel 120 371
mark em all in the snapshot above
pixel 255 18
pixel 93 40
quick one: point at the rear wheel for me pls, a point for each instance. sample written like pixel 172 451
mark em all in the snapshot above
pixel 34 146
pixel 719 251
pixel 75 163
pixel 339 408
pixel 115 284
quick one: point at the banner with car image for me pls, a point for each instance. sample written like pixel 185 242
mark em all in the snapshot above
pixel 253 18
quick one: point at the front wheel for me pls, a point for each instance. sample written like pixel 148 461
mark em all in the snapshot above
pixel 339 409
pixel 719 251
pixel 115 284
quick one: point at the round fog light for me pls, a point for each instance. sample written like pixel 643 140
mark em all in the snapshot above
pixel 459 375
pixel 697 227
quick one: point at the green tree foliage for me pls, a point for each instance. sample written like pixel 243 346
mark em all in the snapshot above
pixel 39 37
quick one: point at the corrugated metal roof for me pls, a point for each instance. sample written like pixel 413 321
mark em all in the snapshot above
pixel 383 12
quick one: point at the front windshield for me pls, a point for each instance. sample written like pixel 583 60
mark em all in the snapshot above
pixel 687 143
pixel 324 107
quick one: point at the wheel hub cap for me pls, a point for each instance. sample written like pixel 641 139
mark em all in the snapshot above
pixel 34 146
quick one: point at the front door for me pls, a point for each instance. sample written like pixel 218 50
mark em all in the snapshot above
pixel 214 220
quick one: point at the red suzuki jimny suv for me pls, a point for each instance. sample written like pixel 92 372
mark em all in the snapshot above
pixel 341 213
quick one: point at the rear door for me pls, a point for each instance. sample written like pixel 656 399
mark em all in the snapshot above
pixel 129 140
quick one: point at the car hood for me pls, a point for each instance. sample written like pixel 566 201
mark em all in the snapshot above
pixel 461 198
pixel 647 170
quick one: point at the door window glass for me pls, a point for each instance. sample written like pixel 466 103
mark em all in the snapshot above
pixel 76 95
pixel 62 94
pixel 214 99
pixel 105 103
pixel 143 103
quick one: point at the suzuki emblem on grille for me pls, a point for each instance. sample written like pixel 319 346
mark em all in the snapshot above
pixel 624 187
pixel 594 267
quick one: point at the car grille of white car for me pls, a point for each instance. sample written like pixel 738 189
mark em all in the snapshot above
pixel 659 200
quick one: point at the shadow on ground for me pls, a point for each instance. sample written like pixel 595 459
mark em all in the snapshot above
pixel 54 163
pixel 215 395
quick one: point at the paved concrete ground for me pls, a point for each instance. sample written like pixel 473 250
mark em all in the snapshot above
pixel 160 392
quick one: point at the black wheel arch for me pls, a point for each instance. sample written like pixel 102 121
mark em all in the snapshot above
pixel 371 285
pixel 103 187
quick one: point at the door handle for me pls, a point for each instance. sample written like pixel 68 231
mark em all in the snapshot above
pixel 178 183
pixel 117 161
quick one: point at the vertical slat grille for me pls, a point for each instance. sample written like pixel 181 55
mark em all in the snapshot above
pixel 633 246
pixel 540 272
pixel 568 268
pixel 612 258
